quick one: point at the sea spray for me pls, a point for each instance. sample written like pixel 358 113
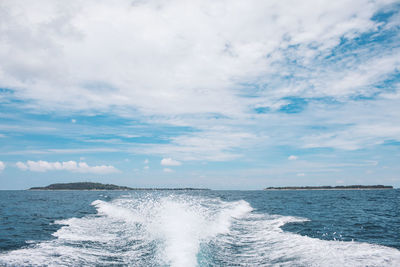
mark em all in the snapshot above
pixel 179 229
pixel 178 223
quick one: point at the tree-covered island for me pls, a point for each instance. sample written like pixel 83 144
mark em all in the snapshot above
pixel 99 186
pixel 340 187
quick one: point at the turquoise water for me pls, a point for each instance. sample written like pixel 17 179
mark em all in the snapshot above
pixel 200 228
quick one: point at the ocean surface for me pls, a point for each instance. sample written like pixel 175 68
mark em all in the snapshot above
pixel 200 228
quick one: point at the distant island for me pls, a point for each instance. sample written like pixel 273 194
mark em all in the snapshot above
pixel 340 187
pixel 99 186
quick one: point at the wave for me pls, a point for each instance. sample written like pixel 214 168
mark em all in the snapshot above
pixel 182 230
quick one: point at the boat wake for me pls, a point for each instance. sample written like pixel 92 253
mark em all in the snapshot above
pixel 181 230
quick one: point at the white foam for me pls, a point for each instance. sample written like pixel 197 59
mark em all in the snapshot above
pixel 181 224
pixel 182 230
pixel 264 243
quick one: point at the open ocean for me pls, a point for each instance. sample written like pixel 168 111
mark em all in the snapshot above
pixel 200 228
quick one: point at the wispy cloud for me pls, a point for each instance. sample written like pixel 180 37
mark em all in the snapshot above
pixel 62 151
pixel 197 73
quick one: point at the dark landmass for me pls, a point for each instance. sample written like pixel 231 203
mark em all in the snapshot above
pixel 340 187
pixel 82 186
pixel 99 186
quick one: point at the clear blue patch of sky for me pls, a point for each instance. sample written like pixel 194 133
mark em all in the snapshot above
pixel 296 105
pixel 262 110
pixel 386 14
pixel 368 41
pixel 6 91
pixel 390 83
pixel 391 143
pixel 385 86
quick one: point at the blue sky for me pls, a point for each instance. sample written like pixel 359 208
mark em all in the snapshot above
pixel 218 94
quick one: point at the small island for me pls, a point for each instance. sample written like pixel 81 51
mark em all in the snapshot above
pixel 340 187
pixel 99 186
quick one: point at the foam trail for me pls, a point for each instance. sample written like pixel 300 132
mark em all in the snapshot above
pixel 181 230
pixel 264 243
pixel 182 225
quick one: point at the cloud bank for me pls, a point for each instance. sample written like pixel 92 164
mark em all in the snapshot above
pixel 238 74
pixel 170 58
pixel 72 166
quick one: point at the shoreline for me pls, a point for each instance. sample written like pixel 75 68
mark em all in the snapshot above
pixel 332 189
pixel 136 189
pixel 91 186
pixel 329 187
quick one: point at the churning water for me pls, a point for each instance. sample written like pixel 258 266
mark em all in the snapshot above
pixel 202 228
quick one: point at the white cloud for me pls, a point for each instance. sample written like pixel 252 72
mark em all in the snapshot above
pixel 73 166
pixel 2 166
pixel 129 135
pixel 146 167
pixel 358 127
pixel 170 162
pixel 73 120
pixel 146 161
pixel 214 143
pixel 62 151
pixel 22 166
pixel 301 174
pixel 292 157
pixel 168 170
pixel 201 64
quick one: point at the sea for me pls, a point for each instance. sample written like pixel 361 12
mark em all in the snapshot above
pixel 200 228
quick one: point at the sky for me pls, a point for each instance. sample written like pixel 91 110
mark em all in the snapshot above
pixel 204 93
